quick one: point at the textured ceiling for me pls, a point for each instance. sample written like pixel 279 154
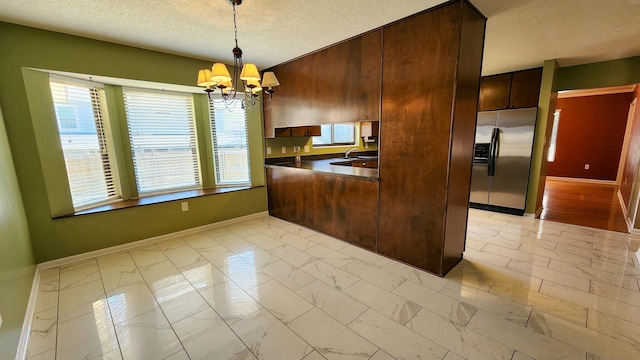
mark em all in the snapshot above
pixel 520 33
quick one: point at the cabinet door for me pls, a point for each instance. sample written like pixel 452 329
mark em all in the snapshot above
pixel 299 131
pixel 494 92
pixel 525 88
pixel 302 131
pixel 283 132
pixel 338 84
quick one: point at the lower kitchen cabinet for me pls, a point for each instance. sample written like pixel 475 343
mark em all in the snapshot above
pixel 345 207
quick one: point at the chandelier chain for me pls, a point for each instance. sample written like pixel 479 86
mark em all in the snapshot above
pixel 235 26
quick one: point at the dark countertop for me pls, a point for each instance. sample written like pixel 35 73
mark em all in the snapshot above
pixel 324 166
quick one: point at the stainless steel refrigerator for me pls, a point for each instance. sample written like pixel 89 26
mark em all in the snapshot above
pixel 502 159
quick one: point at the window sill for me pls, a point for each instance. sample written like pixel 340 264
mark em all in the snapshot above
pixel 156 199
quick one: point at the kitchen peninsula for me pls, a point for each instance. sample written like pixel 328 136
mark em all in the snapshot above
pixel 338 200
pixel 420 77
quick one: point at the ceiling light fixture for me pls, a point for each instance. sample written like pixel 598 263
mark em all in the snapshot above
pixel 219 78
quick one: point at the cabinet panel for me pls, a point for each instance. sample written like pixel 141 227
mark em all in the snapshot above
pixel 341 206
pixel 427 134
pixel 494 92
pixel 283 132
pixel 515 90
pixel 306 131
pixel 525 88
pixel 338 84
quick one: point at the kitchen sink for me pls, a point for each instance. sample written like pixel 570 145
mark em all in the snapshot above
pixel 365 162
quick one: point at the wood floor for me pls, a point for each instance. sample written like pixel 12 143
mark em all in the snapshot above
pixel 585 204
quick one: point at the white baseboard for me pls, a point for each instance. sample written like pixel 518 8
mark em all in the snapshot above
pixel 529 215
pixel 139 243
pixel 625 213
pixel 31 306
pixel 21 354
pixel 582 180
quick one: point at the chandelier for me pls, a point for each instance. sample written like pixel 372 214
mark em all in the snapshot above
pixel 219 78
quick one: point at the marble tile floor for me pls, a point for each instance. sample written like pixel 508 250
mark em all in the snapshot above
pixel 268 289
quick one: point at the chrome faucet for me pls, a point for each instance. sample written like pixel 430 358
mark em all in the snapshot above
pixel 348 152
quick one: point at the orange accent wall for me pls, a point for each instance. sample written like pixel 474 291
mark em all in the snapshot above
pixel 591 132
pixel 632 161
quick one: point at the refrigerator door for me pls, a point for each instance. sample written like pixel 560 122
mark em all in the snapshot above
pixel 480 172
pixel 509 184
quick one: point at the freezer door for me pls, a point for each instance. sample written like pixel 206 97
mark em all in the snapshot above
pixel 509 184
pixel 480 174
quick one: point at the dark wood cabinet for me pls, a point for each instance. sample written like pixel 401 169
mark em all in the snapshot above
pixel 372 164
pixel 427 134
pixel 340 206
pixel 306 131
pixel 525 88
pixel 298 131
pixel 494 92
pixel 515 90
pixel 417 212
pixel 338 84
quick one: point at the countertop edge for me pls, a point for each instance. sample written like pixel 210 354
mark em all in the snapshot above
pixel 323 171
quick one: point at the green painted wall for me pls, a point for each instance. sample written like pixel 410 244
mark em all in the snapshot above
pixel 602 74
pixel 17 263
pixel 23 47
pixel 546 108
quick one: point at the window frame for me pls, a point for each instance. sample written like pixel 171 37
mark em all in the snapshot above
pixel 102 127
pixel 198 172
pixel 217 104
pixel 553 139
pixel 333 143
pixel 51 158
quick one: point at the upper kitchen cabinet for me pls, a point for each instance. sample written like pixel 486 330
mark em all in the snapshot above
pixel 525 88
pixel 338 84
pixel 431 74
pixel 514 90
pixel 494 92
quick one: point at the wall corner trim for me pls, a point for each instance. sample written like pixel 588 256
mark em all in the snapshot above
pixel 21 353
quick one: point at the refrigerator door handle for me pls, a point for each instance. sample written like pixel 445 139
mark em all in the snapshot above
pixel 493 151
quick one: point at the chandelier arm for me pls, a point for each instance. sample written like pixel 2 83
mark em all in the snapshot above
pixel 249 98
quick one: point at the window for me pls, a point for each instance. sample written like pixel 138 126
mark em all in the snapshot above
pixel 336 134
pixel 80 113
pixel 155 147
pixel 551 156
pixel 230 144
pixel 163 140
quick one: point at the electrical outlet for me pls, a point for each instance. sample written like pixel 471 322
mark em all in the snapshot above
pixel 306 148
pixel 268 150
pixel 284 149
pixel 586 166
pixel 185 206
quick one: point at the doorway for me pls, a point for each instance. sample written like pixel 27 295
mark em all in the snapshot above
pixel 592 164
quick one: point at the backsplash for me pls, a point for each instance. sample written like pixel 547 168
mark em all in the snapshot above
pixel 305 143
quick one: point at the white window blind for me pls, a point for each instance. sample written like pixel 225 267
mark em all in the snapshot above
pixel 80 112
pixel 230 144
pixel 163 140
